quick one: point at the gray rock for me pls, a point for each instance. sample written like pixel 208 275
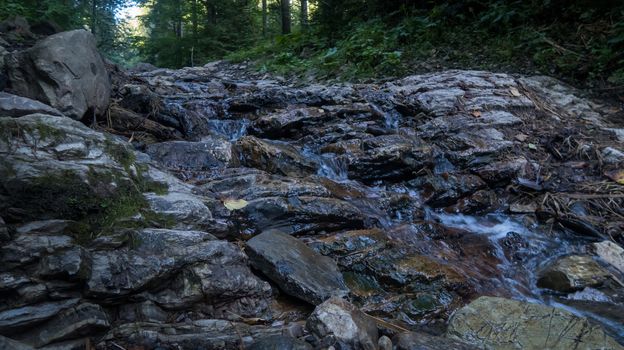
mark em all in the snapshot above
pixel 199 334
pixel 10 344
pixel 180 270
pixel 72 264
pixel 209 154
pixel 349 326
pixel 572 273
pixel 65 71
pixel 612 156
pixel 55 167
pixel 28 248
pixel 272 157
pixel 17 106
pixel 146 311
pixel 186 210
pixel 4 231
pixel 279 342
pixel 384 343
pixel 27 316
pixel 297 269
pixel 423 341
pixel 75 322
pixel 497 323
pixel 48 227
pixel 611 253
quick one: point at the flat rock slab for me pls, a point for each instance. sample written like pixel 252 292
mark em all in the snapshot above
pixel 298 270
pixel 498 323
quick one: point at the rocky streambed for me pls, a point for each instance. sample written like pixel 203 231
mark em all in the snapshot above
pixel 217 208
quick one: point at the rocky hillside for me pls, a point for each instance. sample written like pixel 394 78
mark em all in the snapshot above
pixel 216 208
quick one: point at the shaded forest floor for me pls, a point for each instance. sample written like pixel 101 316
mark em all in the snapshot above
pixel 585 56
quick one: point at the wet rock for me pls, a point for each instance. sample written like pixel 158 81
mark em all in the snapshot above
pixel 6 343
pixel 146 311
pixel 127 122
pixel 279 342
pixel 351 328
pixel 507 324
pixel 288 124
pixel 296 269
pixel 24 317
pixel 384 343
pixel 445 189
pixel 611 253
pixel 185 210
pixel 272 157
pixel 75 322
pixel 207 155
pixel 59 169
pixel 179 269
pixel 612 156
pixel 251 184
pixel 72 264
pixel 298 215
pixel 387 157
pixel 572 273
pixel 199 334
pixel 423 341
pixel 28 248
pixel 17 106
pixel 502 172
pixel 65 71
pixel 4 231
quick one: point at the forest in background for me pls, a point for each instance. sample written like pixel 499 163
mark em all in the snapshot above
pixel 579 41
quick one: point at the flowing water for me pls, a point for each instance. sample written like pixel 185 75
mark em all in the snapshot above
pixel 534 245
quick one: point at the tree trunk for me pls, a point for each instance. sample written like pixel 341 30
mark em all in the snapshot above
pixel 285 16
pixel 304 14
pixel 264 18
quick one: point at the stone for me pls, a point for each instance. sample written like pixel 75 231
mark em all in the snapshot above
pixel 289 123
pixel 60 169
pixel 272 157
pixel 279 342
pixel 71 264
pixel 178 270
pixel 208 155
pixel 4 231
pixel 28 248
pixel 299 215
pixel 146 311
pixel 74 322
pixel 10 344
pixel 198 334
pixel 348 325
pixel 572 273
pixel 187 211
pixel 611 155
pixel 65 71
pixel 384 343
pixel 296 269
pixel 27 316
pixel 446 189
pixel 498 323
pixel 610 253
pixel 423 341
pixel 17 106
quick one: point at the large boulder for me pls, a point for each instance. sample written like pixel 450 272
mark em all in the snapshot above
pixel 64 71
pixel 350 327
pixel 297 269
pixel 498 323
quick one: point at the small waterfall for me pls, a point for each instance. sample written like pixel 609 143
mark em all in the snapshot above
pixel 333 167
